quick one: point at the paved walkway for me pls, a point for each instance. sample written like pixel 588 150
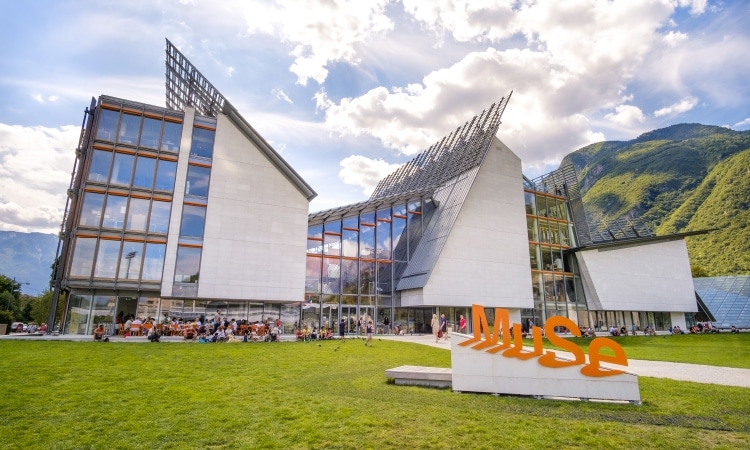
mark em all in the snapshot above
pixel 727 376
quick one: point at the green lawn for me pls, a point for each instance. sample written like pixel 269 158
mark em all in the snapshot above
pixel 332 395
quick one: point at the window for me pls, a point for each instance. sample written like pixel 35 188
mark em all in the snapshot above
pixel 170 141
pixel 187 266
pixel 130 260
pixel 197 181
pixel 107 125
pixel 144 172
pixel 99 170
pixel 114 213
pixel 83 257
pixel 122 169
pixel 130 127
pixel 159 221
pixel 91 212
pixel 203 143
pixel 150 133
pixel 137 214
pixel 193 220
pixel 106 259
pixel 165 174
pixel 153 262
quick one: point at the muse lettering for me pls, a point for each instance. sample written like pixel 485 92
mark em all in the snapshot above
pixel 501 342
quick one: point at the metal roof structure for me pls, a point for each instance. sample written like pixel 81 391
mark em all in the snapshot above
pixel 186 86
pixel 727 298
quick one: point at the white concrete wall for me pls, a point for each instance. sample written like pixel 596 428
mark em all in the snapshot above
pixel 256 225
pixel 644 277
pixel 678 319
pixel 486 257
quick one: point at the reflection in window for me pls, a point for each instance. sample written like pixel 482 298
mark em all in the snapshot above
pixel 130 126
pixel 170 141
pixel 150 133
pixel 83 257
pixel 159 222
pixel 349 276
pixel 106 259
pixel 77 318
pixel 193 219
pixel 197 181
pixel 350 243
pixel 399 239
pixel 91 212
pixel 165 173
pixel 153 262
pixel 130 260
pixel 203 143
pixel 188 265
pixel 367 241
pixel 144 172
pixel 137 214
pixel 312 274
pixel 114 213
pixel 107 125
pixel 122 169
pixel 99 170
pixel 383 240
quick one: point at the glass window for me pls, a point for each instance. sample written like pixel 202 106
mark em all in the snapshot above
pixel 103 312
pixel 106 259
pixel 107 125
pixel 312 274
pixel 114 213
pixel 91 212
pixel 384 240
pixel 197 181
pixel 137 214
pixel 159 222
pixel 529 200
pixel 367 278
pixel 399 239
pixel 165 174
pixel 367 241
pixel 203 143
pixel 83 257
pixel 331 275
pixel 122 169
pixel 193 219
pixel 350 243
pixel 170 141
pixel 99 170
pixel 130 260
pixel 349 276
pixel 187 266
pixel 153 262
pixel 130 127
pixel 351 222
pixel 150 133
pixel 77 319
pixel 144 172
pixel 315 231
pixel 332 244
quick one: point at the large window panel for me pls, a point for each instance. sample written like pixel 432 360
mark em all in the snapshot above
pixel 367 278
pixel 399 239
pixel 83 257
pixel 193 221
pixel 107 125
pixel 203 143
pixel 350 243
pixel 150 132
pixel 349 276
pixel 165 174
pixel 367 241
pixel 122 169
pixel 106 259
pixel 188 265
pixel 130 128
pixel 77 318
pixel 137 214
pixel 91 212
pixel 197 181
pixel 144 172
pixel 130 260
pixel 331 276
pixel 153 262
pixel 100 162
pixel 312 274
pixel 114 213
pixel 159 220
pixel 170 140
pixel 332 244
pixel 383 250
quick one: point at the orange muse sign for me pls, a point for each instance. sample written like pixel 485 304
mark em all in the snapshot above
pixel 491 343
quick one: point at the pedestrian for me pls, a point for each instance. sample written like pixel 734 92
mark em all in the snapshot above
pixel 462 324
pixel 369 333
pixel 444 327
pixel 435 325
pixel 341 329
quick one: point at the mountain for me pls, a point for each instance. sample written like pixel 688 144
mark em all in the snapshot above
pixel 28 258
pixel 685 177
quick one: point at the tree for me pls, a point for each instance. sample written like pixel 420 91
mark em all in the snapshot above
pixel 698 271
pixel 10 285
pixel 40 308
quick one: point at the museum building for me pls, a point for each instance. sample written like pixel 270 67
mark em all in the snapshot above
pixel 185 210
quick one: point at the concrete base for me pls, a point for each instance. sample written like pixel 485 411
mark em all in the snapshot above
pixel 421 376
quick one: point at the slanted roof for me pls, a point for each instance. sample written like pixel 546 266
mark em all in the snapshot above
pixel 186 86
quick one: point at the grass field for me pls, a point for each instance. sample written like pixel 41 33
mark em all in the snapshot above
pixel 332 395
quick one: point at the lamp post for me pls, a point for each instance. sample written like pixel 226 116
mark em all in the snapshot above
pixel 14 286
pixel 129 257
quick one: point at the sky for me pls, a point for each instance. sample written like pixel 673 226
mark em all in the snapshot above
pixel 346 91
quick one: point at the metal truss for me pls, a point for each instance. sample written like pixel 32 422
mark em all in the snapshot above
pixel 186 86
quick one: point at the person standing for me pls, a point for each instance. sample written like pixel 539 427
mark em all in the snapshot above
pixel 369 333
pixel 435 324
pixel 462 324
pixel 444 326
pixel 341 329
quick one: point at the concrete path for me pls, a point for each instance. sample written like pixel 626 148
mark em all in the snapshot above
pixel 697 373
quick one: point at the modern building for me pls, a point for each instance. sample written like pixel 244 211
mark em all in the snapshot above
pixel 727 299
pixel 186 209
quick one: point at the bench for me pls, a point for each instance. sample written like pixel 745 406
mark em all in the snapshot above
pixel 421 376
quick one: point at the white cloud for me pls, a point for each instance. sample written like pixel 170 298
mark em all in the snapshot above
pixel 38 98
pixel 626 115
pixel 684 105
pixel 697 7
pixel 281 95
pixel 322 31
pixel 742 123
pixel 364 172
pixel 35 166
pixel 674 38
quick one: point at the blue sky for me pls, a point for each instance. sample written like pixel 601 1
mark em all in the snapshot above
pixel 346 91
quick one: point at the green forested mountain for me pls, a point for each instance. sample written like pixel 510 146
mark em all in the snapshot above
pixel 686 177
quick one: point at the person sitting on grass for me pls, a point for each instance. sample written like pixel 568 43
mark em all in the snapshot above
pixel 99 333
